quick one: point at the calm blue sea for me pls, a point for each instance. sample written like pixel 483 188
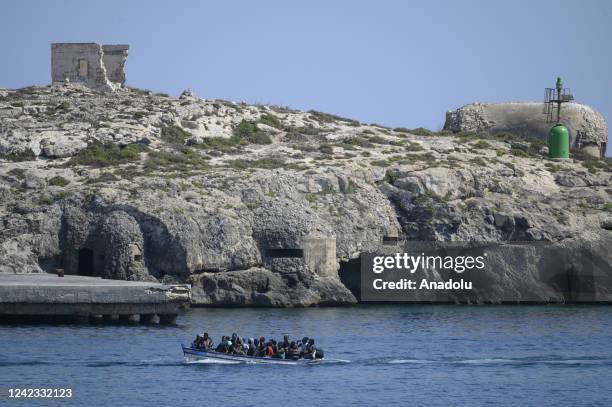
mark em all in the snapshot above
pixel 380 355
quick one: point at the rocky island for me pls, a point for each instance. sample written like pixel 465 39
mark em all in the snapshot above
pixel 258 205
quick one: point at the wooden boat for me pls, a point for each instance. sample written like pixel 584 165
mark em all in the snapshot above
pixel 217 357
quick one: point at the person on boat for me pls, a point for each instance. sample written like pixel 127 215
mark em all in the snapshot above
pixel 280 351
pixel 225 345
pixel 207 342
pixel 310 351
pixel 262 348
pixel 270 349
pixel 238 348
pixel 302 346
pixel 251 347
pixel 255 346
pixel 197 342
pixel 293 352
pixel 245 346
pixel 285 344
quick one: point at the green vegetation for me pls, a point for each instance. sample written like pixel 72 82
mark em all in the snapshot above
pixel 592 164
pixel 380 163
pixel 359 142
pixel 139 115
pixel 104 155
pixel 174 134
pixel 391 176
pixel 412 146
pixel 421 131
pixel 471 204
pixel 306 130
pixel 182 160
pixel 103 177
pixel 62 107
pixel 128 171
pixel 271 120
pixel 58 181
pixel 248 131
pixel 18 173
pixel 312 198
pixel 377 140
pixel 27 155
pixel 297 134
pixel 478 161
pixel 509 165
pixel 330 118
pixel 428 158
pixel 221 144
pixel 326 149
pixel 305 147
pixel 283 109
pixel 529 148
pixel 481 144
pixel 520 146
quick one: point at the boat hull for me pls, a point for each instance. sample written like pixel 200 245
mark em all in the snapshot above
pixel 216 357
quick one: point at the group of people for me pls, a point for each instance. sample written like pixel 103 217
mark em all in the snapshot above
pixel 260 347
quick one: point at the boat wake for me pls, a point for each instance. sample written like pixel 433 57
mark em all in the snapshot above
pixel 409 361
pixel 503 361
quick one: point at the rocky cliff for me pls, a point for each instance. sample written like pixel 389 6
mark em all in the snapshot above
pixel 262 205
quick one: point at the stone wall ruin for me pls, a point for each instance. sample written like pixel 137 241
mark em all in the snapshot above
pixel 99 67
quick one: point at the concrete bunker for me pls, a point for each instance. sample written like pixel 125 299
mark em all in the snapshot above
pixel 97 66
pixel 320 255
pixel 587 127
pixel 316 253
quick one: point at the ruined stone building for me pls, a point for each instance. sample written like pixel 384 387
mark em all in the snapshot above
pixel 98 66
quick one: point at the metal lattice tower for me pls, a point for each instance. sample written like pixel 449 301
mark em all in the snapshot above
pixel 553 99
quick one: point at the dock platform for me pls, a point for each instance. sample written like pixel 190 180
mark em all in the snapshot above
pixel 44 296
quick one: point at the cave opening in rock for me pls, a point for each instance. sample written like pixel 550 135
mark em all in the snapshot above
pixel 86 266
pixel 350 275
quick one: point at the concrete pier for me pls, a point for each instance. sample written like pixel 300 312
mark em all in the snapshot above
pixel 46 296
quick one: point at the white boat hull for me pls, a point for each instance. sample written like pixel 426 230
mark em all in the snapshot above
pixel 223 358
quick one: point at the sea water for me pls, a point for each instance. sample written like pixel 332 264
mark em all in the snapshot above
pixel 375 355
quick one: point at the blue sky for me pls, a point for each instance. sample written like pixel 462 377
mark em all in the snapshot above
pixel 397 63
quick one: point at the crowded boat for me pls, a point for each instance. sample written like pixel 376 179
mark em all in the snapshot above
pixel 261 347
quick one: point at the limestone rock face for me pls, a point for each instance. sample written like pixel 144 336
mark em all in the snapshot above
pixel 588 129
pixel 60 146
pixel 260 287
pixel 266 206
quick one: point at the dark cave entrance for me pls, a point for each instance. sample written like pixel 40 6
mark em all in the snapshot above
pixel 86 259
pixel 284 253
pixel 350 276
